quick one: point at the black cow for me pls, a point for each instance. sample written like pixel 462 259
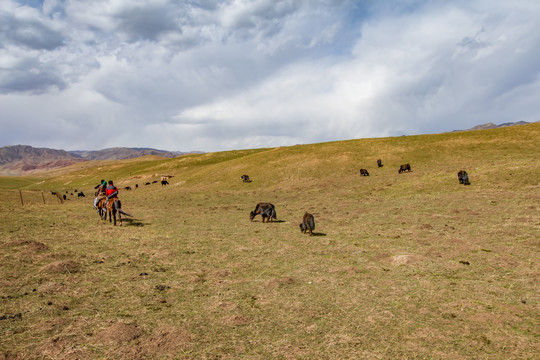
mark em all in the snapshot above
pixel 128 188
pixel 164 182
pixel 267 211
pixel 81 194
pixel 155 181
pixel 403 168
pixel 136 186
pixel 64 197
pixel 147 183
pixel 364 172
pixel 245 178
pixel 308 223
pixel 379 163
pixel 463 177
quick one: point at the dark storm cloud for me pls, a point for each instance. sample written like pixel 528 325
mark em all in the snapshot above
pixel 32 78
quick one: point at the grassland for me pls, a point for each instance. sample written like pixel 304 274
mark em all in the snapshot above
pixel 402 266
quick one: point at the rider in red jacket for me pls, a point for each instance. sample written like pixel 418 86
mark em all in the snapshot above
pixel 111 191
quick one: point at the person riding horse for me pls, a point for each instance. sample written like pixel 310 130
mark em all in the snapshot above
pixel 111 191
pixel 101 193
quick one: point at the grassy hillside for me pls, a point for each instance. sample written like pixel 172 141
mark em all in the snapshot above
pixel 408 265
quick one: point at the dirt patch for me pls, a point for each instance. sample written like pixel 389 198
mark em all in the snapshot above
pixel 280 282
pixel 63 347
pixel 62 267
pixel 119 332
pixel 403 259
pixel 31 245
pixel 166 341
pixel 236 320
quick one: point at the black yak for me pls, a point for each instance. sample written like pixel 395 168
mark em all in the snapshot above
pixel 245 178
pixel 463 177
pixel 308 223
pixel 403 168
pixel 379 163
pixel 266 210
pixel 364 172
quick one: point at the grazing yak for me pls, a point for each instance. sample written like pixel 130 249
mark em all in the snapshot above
pixel 266 210
pixel 128 188
pixel 379 163
pixel 308 223
pixel 245 178
pixel 403 168
pixel 81 194
pixel 164 182
pixel 463 177
pixel 147 183
pixel 364 172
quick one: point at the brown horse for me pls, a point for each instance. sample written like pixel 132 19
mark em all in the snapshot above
pixel 114 206
pixel 102 209
pixel 111 207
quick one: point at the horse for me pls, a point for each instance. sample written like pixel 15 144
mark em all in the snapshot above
pixel 114 206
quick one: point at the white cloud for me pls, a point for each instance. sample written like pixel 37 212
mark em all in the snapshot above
pixel 212 75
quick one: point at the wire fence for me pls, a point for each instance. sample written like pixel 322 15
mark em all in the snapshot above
pixel 25 197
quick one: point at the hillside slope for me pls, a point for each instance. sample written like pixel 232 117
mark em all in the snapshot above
pixel 410 265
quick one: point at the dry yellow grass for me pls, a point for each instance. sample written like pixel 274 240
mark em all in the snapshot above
pixel 409 265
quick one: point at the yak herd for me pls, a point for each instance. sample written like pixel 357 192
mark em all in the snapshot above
pixel 268 211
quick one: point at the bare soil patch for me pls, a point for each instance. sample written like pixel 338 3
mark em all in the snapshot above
pixel 68 267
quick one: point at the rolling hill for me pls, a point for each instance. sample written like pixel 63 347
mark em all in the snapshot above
pixel 410 265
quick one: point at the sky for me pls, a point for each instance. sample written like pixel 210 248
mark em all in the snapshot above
pixel 205 75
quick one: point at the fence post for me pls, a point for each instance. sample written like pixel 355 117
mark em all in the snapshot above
pixel 20 194
pixel 43 196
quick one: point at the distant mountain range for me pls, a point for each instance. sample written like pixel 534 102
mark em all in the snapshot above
pixel 491 125
pixel 24 159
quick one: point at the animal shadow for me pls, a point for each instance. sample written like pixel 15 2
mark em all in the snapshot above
pixel 275 221
pixel 134 222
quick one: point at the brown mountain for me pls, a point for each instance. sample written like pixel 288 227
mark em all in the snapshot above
pixel 24 159
pixel 20 159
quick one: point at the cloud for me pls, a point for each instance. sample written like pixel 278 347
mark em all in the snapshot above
pixel 215 75
pixel 27 27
